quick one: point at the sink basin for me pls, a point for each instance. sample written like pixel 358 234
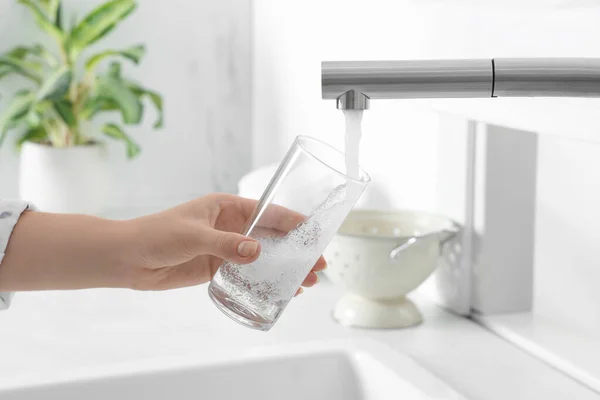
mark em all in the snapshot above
pixel 342 370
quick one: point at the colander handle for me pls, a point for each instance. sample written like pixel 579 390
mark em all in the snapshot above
pixel 445 236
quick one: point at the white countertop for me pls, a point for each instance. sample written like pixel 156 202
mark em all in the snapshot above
pixel 48 331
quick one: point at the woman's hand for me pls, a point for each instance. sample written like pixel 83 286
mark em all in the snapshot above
pixel 182 246
pixel 185 245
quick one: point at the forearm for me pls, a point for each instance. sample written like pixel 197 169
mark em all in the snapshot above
pixel 59 251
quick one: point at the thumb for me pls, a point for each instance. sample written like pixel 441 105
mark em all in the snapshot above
pixel 230 246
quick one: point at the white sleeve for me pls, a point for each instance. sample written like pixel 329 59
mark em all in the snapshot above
pixel 10 211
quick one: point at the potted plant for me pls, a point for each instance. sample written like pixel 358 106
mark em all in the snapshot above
pixel 63 162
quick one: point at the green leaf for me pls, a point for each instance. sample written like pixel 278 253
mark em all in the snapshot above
pixel 18 53
pixel 94 105
pixel 154 97
pixel 58 18
pixel 116 132
pixel 52 9
pixel 36 134
pixel 64 108
pixel 98 23
pixel 21 67
pixel 33 118
pixel 4 71
pixel 158 103
pixel 43 21
pixel 41 52
pixel 134 54
pixel 116 91
pixel 114 70
pixel 15 111
pixel 38 51
pixel 56 85
pixel 16 61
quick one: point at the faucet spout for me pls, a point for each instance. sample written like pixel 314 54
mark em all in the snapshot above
pixel 353 100
pixel 353 83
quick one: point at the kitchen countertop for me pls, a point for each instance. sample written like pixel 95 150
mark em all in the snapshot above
pixel 46 332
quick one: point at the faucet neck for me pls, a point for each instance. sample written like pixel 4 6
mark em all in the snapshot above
pixel 353 83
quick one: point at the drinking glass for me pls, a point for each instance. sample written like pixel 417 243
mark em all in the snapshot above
pixel 298 214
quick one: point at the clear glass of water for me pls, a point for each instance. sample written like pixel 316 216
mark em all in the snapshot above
pixel 298 214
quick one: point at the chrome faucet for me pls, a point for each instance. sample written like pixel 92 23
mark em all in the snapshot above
pixel 354 83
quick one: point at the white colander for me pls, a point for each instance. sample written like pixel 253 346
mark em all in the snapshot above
pixel 379 257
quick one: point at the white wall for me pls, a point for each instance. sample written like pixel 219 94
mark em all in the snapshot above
pixel 199 59
pixel 290 41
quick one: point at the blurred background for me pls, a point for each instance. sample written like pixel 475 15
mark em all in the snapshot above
pixel 198 58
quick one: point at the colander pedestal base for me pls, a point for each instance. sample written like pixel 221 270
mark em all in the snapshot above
pixel 359 312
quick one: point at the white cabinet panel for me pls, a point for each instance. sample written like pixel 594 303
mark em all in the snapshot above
pixel 564 326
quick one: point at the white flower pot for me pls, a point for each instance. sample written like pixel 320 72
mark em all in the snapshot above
pixel 64 180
